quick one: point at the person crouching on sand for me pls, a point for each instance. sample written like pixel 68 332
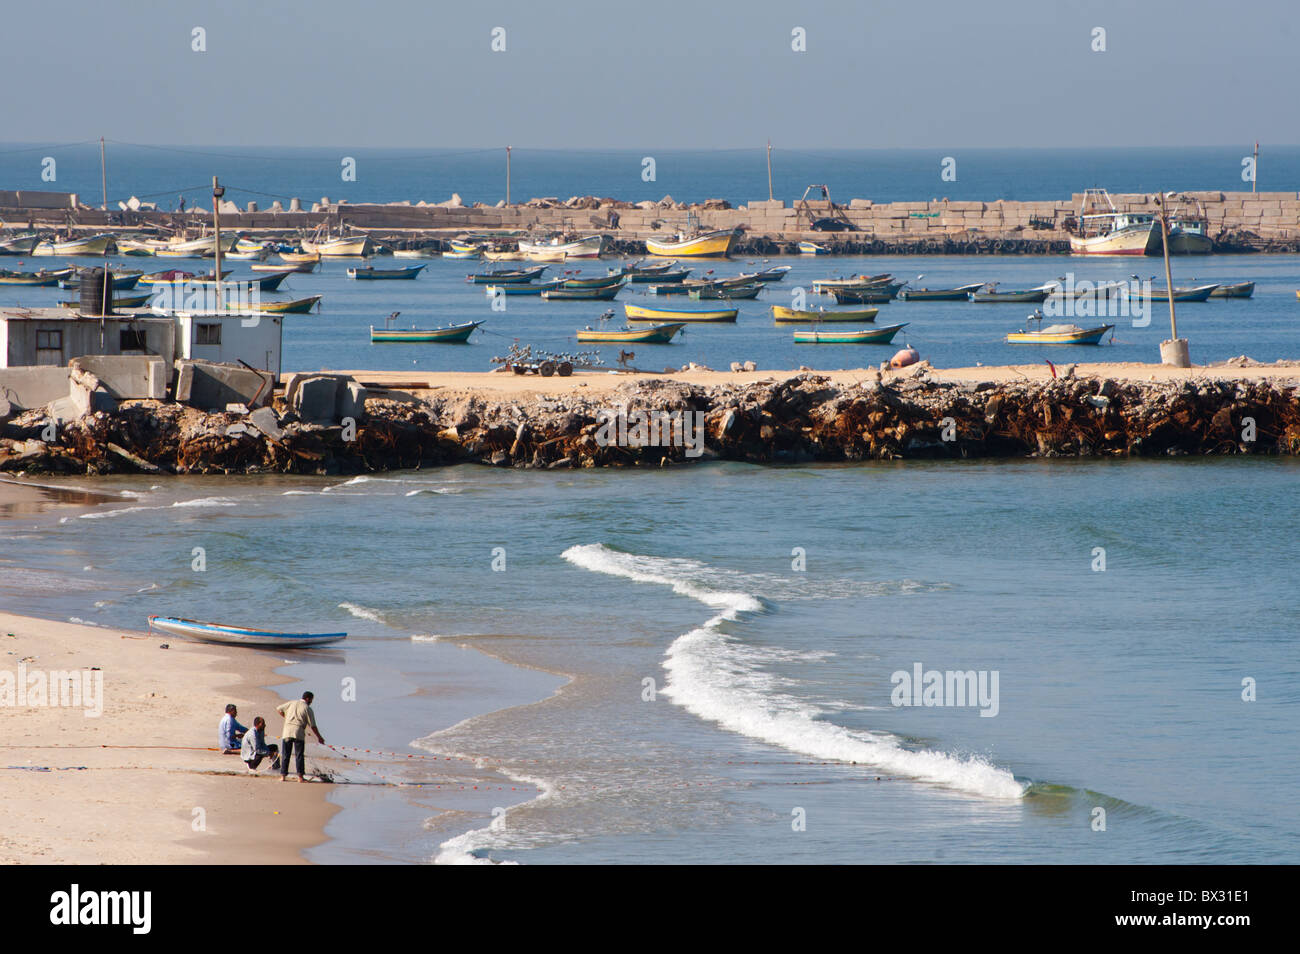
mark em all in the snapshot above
pixel 230 732
pixel 254 748
pixel 297 716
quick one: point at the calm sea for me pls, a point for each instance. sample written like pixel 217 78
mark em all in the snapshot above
pixel 698 665
pixel 161 173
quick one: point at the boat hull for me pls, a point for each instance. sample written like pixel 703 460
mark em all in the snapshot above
pixel 870 336
pixel 239 636
pixel 655 334
pixel 641 313
pixel 710 245
pixel 1088 336
pixel 456 334
pixel 793 316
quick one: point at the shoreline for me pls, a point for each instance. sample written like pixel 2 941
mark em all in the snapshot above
pixel 147 765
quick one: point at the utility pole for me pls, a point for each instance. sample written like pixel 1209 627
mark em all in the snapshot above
pixel 769 170
pixel 507 175
pixel 1174 351
pixel 217 192
pixel 103 173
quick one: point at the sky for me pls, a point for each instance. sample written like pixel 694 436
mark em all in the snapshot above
pixel 654 74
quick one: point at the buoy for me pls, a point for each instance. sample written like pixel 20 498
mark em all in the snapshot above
pixel 905 357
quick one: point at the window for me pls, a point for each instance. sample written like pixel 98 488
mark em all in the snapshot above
pixel 207 333
pixel 131 339
pixel 49 347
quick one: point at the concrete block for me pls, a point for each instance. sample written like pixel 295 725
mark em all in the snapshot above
pixel 316 399
pixel 351 400
pixel 127 376
pixel 33 386
pixel 211 386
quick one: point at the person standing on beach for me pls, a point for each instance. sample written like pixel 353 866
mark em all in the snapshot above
pixel 297 716
pixel 230 732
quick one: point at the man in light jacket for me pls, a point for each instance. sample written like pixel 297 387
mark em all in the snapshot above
pixel 230 732
pixel 254 748
pixel 297 717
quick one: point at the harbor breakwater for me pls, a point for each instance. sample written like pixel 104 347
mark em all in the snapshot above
pixel 1237 221
pixel 804 417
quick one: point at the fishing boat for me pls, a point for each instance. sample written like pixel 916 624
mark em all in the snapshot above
pixel 592 246
pixel 525 289
pixel 173 275
pixel 19 244
pixel 452 253
pixel 39 279
pixel 583 294
pixel 1061 334
pixel 305 268
pixel 774 274
pixel 365 273
pixel 239 635
pixel 641 313
pixel 461 245
pixel 135 247
pixel 1238 290
pixel 706 245
pixel 660 278
pixel 299 306
pixel 1197 293
pixel 300 258
pixel 673 288
pixel 126 302
pixel 603 281
pixel 424 251
pixel 257 255
pixel 824 286
pixel 812 248
pixel 960 293
pixel 453 334
pixel 724 291
pixel 90 245
pixel 503 255
pixel 351 246
pixel 869 336
pixel 862 295
pixel 989 294
pixel 1189 228
pixel 506 276
pixel 795 316
pixel 642 267
pixel 654 334
pixel 122 281
pixel 1104 230
pixel 269 282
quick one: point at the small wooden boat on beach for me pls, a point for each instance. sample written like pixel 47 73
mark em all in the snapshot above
pixel 239 635
pixel 641 313
pixel 366 273
pixel 453 334
pixel 793 316
pixel 869 336
pixel 706 245
pixel 654 334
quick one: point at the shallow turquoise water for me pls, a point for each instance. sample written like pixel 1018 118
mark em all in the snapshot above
pixel 1119 690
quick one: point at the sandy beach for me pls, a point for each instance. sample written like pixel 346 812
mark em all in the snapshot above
pixel 142 782
pixel 498 385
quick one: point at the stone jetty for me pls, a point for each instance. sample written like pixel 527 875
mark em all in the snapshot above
pixel 350 426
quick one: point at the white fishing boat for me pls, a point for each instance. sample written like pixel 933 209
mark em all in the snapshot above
pixel 593 246
pixel 90 245
pixel 1104 230
pixel 18 244
pixel 340 247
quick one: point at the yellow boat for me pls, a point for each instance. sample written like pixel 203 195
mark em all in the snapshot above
pixel 707 245
pixel 1060 335
pixel 805 317
pixel 639 313
pixel 299 258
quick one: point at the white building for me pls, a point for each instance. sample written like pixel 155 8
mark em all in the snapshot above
pixel 256 341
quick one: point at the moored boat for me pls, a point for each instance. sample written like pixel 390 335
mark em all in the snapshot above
pixel 660 278
pixel 715 244
pixel 90 245
pixel 781 314
pixel 1195 293
pixel 604 281
pixel 300 258
pixel 641 313
pixel 592 246
pixel 991 295
pixel 868 336
pixel 1104 230
pixel 812 248
pixel 725 292
pixel 1237 290
pixel 305 268
pixel 39 279
pixel 959 293
pixel 506 276
pixel 240 635
pixel 367 273
pixel 1059 334
pixel 863 296
pixel 527 288
pixel 126 302
pixel 452 334
pixel 22 244
pixel 350 246
pixel 299 306
pixel 607 293
pixel 654 334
